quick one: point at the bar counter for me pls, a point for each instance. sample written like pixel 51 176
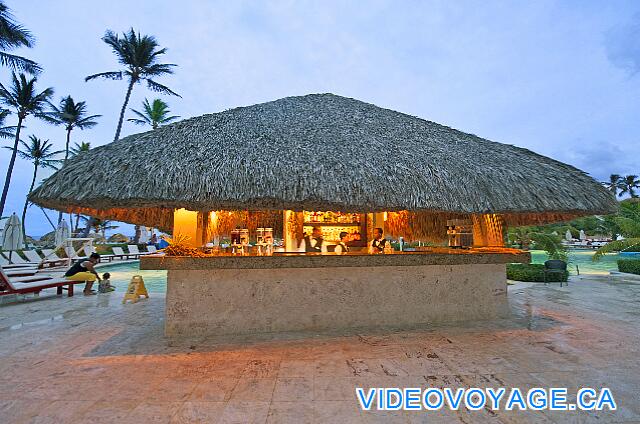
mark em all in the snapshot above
pixel 225 294
pixel 316 260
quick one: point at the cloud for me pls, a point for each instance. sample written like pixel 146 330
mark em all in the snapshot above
pixel 622 44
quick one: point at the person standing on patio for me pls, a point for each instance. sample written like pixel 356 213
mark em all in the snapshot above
pixel 83 270
pixel 314 242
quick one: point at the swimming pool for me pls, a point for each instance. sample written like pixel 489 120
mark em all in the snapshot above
pixel 582 258
pixel 156 280
pixel 121 273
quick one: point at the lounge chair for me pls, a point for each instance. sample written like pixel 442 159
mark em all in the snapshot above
pixel 71 253
pixel 34 284
pixel 152 249
pixel 17 259
pixel 4 262
pixel 33 256
pixel 120 253
pixel 134 250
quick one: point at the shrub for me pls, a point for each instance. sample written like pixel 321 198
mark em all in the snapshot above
pixel 532 272
pixel 632 266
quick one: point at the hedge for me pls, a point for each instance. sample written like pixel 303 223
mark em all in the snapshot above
pixel 632 266
pixel 532 272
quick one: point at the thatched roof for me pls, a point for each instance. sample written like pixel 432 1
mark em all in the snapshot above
pixel 316 152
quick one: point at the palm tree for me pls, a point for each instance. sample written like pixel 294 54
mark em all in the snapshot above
pixel 81 147
pixel 72 115
pixel 629 184
pixel 25 100
pixel 154 114
pixel 40 153
pixel 77 149
pixel 12 36
pixel 139 54
pixel 613 185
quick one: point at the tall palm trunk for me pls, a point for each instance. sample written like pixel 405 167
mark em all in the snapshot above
pixel 12 162
pixel 124 108
pixel 26 202
pixel 66 156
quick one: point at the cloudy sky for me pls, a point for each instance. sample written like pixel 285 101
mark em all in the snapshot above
pixel 559 78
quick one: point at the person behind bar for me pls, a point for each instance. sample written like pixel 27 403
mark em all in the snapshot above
pixel 379 242
pixel 83 270
pixel 342 247
pixel 314 242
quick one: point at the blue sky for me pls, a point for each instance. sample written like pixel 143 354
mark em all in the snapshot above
pixel 559 78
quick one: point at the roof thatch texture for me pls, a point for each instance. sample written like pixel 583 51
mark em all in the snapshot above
pixel 316 152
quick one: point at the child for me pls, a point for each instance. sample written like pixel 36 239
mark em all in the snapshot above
pixel 105 285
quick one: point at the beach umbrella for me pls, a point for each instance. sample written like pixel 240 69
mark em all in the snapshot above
pixel 12 235
pixel 568 236
pixel 62 232
pixel 583 236
pixel 144 235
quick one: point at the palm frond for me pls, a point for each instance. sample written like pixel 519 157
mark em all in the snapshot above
pixel 157 87
pixel 114 75
pixel 19 63
pixel 615 246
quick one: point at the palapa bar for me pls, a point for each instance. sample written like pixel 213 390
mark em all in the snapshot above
pixel 277 164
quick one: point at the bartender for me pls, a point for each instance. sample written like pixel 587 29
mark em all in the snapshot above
pixel 379 242
pixel 313 243
pixel 342 247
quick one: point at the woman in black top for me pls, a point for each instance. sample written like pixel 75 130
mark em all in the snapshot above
pixel 83 270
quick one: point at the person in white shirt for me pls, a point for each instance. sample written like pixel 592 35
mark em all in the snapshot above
pixel 379 242
pixel 342 247
pixel 313 243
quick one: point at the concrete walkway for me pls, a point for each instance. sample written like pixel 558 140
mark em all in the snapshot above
pixel 93 360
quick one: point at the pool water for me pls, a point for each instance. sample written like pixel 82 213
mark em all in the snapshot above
pixel 582 258
pixel 156 280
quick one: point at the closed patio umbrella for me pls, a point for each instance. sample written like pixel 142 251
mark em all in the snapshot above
pixel 583 236
pixel 144 235
pixel 62 232
pixel 12 235
pixel 568 236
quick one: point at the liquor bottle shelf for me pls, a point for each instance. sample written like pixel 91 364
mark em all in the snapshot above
pixel 331 224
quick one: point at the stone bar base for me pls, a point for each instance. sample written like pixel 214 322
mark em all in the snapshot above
pixel 246 301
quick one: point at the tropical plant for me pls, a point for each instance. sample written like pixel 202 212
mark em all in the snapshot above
pixel 13 36
pixel 628 185
pixel 72 115
pixel 139 54
pixel 628 224
pixel 526 237
pixel 614 183
pixel 23 97
pixel 100 226
pixel 41 153
pixel 81 147
pixel 154 114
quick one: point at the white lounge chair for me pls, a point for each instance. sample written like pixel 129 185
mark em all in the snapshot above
pixel 71 253
pixel 120 253
pixel 4 262
pixel 151 249
pixel 16 259
pixel 33 284
pixel 33 256
pixel 133 249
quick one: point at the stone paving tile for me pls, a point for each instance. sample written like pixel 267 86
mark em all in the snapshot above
pixel 199 413
pixel 93 360
pixel 245 413
pixel 254 389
